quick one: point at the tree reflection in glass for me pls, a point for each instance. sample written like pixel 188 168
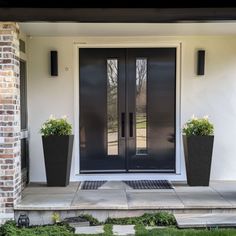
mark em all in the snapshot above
pixel 112 107
pixel 141 106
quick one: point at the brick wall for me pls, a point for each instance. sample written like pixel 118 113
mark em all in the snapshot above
pixel 10 166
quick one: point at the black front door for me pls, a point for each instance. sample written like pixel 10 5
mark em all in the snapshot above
pixel 127 109
pixel 24 122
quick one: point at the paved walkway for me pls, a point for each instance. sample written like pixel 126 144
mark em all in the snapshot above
pixel 121 230
pixel 206 220
pixel 116 195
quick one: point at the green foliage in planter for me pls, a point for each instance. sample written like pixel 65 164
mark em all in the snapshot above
pixel 147 219
pixel 198 126
pixel 54 126
pixel 10 229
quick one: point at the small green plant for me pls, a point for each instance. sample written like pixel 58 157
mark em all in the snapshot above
pixel 56 218
pixel 92 221
pixel 147 219
pixel 10 229
pixel 164 219
pixel 56 126
pixel 124 221
pixel 107 230
pixel 198 126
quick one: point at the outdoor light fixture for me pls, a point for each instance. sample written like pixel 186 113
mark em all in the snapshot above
pixel 54 63
pixel 23 220
pixel 200 62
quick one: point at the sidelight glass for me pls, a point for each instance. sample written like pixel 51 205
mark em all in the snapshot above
pixel 141 106
pixel 112 107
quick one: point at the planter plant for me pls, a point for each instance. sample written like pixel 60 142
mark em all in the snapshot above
pixel 57 141
pixel 198 138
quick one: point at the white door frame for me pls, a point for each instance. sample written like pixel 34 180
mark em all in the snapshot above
pixel 124 43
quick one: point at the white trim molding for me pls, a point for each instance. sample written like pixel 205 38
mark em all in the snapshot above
pixel 127 43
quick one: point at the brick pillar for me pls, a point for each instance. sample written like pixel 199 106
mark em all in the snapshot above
pixel 10 161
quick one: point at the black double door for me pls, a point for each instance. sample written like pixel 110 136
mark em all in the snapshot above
pixel 127 109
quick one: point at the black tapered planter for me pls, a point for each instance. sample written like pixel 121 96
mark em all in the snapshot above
pixel 57 157
pixel 198 156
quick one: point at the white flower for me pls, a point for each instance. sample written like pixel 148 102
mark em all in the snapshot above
pixel 64 117
pixel 194 117
pixel 52 117
pixel 206 117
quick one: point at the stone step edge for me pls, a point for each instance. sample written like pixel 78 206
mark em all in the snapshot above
pixel 40 208
pixel 205 220
pixel 191 226
pixel 116 230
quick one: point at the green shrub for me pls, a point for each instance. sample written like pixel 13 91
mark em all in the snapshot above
pixel 198 126
pixel 54 126
pixel 93 221
pixel 124 221
pixel 148 219
pixel 10 229
pixel 159 218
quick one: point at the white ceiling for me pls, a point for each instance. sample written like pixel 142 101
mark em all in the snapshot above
pixel 127 29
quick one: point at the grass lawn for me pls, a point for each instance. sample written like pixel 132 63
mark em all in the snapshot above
pixel 10 229
pixel 140 122
pixel 141 231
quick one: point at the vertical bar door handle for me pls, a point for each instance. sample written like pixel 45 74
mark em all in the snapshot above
pixel 131 117
pixel 122 124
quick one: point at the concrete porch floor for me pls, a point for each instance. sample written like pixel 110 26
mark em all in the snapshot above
pixel 118 195
pixel 116 199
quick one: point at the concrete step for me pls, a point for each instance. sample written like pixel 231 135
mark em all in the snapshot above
pixel 206 220
pixel 119 230
pixel 123 230
pixel 39 216
pixel 89 230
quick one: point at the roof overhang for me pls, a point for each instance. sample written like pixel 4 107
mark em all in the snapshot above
pixel 126 29
pixel 117 15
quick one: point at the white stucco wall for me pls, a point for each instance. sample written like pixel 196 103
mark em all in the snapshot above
pixel 213 94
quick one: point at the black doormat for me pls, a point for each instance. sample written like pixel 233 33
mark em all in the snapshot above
pixel 91 185
pixel 149 184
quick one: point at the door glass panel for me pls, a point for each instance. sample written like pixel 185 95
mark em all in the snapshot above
pixel 23 95
pixel 112 107
pixel 141 106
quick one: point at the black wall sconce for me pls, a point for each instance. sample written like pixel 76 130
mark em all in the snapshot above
pixel 200 62
pixel 54 63
pixel 23 220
